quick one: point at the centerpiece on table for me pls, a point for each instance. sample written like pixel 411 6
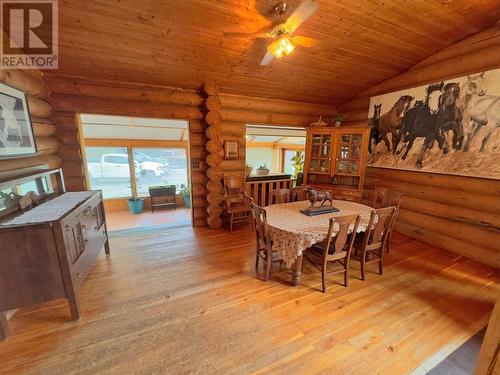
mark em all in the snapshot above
pixel 323 197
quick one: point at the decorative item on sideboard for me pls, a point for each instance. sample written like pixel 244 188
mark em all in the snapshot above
pixel 339 119
pixel 320 122
pixel 248 169
pixel 263 170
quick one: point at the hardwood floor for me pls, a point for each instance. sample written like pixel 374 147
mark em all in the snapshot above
pixel 187 300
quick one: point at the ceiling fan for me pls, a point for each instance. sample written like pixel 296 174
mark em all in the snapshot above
pixel 284 43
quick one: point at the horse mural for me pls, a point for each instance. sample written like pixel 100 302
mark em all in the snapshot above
pixel 450 127
pixel 374 130
pixel 479 110
pixel 390 122
pixel 420 121
pixel 448 118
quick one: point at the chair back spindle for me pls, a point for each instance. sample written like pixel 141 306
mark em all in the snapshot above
pixel 261 228
pixel 337 239
pixel 378 228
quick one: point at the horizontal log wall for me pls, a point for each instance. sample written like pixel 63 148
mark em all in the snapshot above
pixel 71 95
pixel 459 214
pixel 44 127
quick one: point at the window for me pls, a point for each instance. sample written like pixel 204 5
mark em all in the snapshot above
pixel 159 166
pixel 258 156
pixel 109 171
pixel 116 159
pixel 293 162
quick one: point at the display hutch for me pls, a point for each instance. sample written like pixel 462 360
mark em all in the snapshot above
pixel 336 160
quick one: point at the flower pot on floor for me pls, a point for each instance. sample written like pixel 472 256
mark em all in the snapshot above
pixel 136 205
pixel 187 201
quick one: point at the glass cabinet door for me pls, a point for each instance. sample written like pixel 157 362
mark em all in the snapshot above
pixel 349 152
pixel 321 148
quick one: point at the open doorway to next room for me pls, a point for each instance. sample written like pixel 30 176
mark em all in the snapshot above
pixel 141 167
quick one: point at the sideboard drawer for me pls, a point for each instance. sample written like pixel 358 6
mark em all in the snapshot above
pixel 82 265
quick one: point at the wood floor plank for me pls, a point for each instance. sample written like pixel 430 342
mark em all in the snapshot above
pixel 187 300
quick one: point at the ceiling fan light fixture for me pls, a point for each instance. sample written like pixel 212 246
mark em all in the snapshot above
pixel 282 48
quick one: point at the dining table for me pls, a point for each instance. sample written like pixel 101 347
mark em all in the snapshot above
pixel 292 232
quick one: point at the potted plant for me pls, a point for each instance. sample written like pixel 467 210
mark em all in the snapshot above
pixel 186 194
pixel 249 169
pixel 263 170
pixel 298 164
pixel 136 205
pixel 339 119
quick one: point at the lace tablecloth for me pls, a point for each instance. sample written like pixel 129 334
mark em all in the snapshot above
pixel 292 232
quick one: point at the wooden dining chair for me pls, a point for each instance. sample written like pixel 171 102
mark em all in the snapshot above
pixel 384 197
pixel 264 249
pixel 279 196
pixel 298 193
pixel 237 203
pixel 370 249
pixel 336 248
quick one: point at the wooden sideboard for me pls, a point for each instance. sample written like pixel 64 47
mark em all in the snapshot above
pixel 43 260
pixel 336 160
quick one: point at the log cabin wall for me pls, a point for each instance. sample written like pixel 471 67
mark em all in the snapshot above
pixel 459 214
pixel 72 95
pixel 44 128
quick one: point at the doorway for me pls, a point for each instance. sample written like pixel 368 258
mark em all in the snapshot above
pixel 141 167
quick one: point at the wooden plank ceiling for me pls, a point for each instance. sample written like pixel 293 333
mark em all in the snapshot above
pixel 181 44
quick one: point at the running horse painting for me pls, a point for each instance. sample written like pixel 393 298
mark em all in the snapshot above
pixel 450 126
pixel 374 130
pixel 480 110
pixel 390 122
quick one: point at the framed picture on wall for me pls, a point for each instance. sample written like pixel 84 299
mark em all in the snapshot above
pixel 16 131
pixel 231 149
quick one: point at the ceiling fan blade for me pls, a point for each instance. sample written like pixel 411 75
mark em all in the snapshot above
pixel 267 59
pixel 304 41
pixel 305 10
pixel 261 34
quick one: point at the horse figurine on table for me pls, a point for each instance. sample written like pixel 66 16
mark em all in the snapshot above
pixel 318 196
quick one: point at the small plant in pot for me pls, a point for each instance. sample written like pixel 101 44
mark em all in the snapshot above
pixel 186 195
pixel 339 119
pixel 135 205
pixel 263 170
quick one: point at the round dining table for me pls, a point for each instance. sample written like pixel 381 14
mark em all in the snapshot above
pixel 292 231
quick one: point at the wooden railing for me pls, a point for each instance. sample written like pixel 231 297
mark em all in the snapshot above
pixel 259 190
